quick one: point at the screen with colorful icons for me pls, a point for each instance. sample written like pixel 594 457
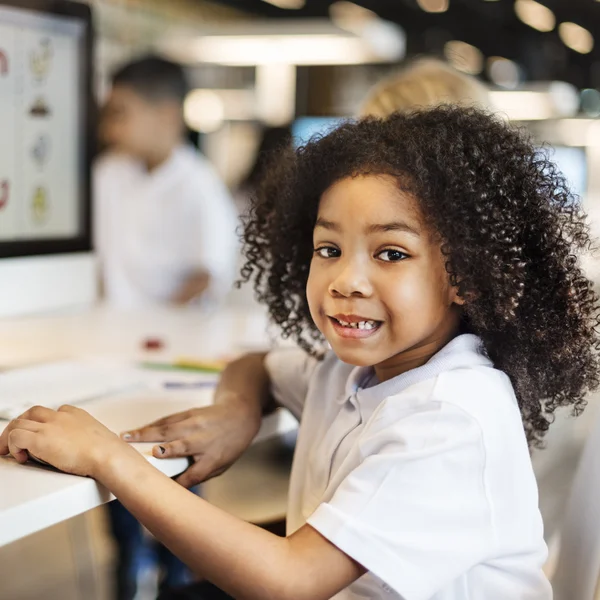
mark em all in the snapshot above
pixel 43 120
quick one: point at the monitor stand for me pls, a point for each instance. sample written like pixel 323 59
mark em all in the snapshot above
pixel 46 284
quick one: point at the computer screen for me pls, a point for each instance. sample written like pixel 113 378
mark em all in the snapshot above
pixel 570 160
pixel 572 163
pixel 45 125
pixel 304 128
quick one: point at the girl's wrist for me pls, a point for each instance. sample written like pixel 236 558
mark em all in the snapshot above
pixel 240 404
pixel 114 461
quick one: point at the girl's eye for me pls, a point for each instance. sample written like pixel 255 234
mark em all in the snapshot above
pixel 392 255
pixel 328 252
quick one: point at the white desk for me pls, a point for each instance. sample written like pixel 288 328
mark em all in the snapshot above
pixel 34 497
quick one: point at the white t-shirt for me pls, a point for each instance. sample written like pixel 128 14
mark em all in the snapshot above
pixel 154 229
pixel 424 479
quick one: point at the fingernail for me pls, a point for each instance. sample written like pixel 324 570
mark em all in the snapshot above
pixel 126 436
pixel 162 449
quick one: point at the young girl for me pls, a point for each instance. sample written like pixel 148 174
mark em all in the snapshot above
pixel 435 253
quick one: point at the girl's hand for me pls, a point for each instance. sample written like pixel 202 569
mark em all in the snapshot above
pixel 69 439
pixel 215 437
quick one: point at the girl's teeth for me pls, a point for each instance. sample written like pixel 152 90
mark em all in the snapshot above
pixel 358 325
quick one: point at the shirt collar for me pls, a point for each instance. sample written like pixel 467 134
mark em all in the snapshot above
pixel 463 351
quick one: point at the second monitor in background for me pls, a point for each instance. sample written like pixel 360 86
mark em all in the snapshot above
pixel 571 160
pixel 304 128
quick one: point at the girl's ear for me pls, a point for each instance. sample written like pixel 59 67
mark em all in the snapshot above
pixel 460 295
pixel 460 300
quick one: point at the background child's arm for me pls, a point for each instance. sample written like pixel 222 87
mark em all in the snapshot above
pixel 193 287
pixel 217 435
pixel 242 559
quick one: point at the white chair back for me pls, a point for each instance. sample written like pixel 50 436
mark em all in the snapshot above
pixel 578 565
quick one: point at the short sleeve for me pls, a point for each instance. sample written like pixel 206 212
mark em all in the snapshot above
pixel 290 371
pixel 414 513
pixel 211 222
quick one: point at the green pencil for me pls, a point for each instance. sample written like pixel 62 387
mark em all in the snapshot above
pixel 193 368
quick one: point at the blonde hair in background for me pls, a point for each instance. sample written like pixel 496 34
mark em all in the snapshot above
pixel 425 82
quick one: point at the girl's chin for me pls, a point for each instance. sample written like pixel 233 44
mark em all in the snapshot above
pixel 356 358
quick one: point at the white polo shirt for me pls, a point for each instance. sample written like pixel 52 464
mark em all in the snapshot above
pixel 155 229
pixel 424 479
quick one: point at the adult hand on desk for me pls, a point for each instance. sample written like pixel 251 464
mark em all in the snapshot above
pixel 214 437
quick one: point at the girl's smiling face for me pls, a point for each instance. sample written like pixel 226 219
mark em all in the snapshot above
pixel 378 289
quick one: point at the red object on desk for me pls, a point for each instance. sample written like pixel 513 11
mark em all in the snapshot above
pixel 153 343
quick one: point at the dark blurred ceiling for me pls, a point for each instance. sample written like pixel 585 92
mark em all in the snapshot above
pixel 491 26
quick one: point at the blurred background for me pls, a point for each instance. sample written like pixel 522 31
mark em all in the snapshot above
pixel 255 62
pixel 299 66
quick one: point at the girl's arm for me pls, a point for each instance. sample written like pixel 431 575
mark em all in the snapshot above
pixel 242 559
pixel 245 561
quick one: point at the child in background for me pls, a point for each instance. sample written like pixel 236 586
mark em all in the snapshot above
pixel 436 253
pixel 272 140
pixel 165 223
pixel 165 234
pixel 422 83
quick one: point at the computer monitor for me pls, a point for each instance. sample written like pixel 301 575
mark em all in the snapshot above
pixel 304 128
pixel 572 163
pixel 47 132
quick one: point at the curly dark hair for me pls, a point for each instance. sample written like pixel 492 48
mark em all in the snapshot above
pixel 509 227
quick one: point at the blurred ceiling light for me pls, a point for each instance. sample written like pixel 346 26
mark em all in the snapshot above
pixel 350 16
pixel 579 132
pixel 565 97
pixel 276 93
pixel 302 50
pixel 593 134
pixel 535 15
pixel 541 100
pixel 290 4
pixel 384 37
pixel 238 104
pixel 522 106
pixel 204 111
pixel 279 41
pixel 464 57
pixel 503 72
pixel 590 102
pixel 434 6
pixel 576 37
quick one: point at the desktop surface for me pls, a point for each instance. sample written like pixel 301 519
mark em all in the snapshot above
pixel 34 497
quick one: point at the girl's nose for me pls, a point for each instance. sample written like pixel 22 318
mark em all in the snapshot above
pixel 351 280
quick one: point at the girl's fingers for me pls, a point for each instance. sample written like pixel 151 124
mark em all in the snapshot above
pixel 176 448
pixel 41 414
pixel 20 424
pixel 70 409
pixel 155 431
pixel 19 442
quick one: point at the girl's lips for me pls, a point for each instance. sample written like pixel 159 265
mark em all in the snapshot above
pixel 351 332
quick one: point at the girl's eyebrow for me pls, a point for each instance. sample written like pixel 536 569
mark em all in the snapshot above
pixel 327 224
pixel 393 226
pixel 373 228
